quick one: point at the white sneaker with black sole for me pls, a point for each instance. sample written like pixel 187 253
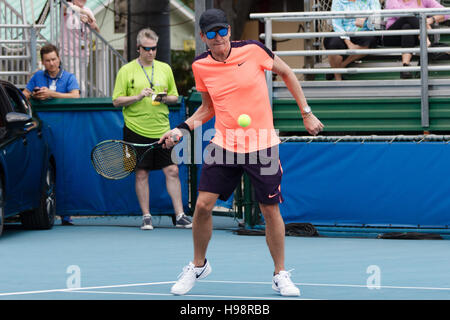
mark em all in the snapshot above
pixel 188 277
pixel 147 222
pixel 283 284
pixel 183 222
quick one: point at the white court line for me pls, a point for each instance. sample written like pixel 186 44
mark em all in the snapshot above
pixel 85 288
pixel 216 281
pixel 366 286
pixel 329 285
pixel 192 295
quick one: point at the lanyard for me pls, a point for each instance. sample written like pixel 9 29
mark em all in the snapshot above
pixel 153 71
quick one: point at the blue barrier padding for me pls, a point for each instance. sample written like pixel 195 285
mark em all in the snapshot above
pixel 366 184
pixel 79 189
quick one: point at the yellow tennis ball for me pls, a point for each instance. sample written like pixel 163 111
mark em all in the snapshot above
pixel 244 120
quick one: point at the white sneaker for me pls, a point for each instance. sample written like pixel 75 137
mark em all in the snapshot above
pixel 283 284
pixel 188 277
pixel 147 223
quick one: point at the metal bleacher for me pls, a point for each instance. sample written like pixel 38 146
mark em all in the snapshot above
pixel 23 34
pixel 376 77
pixel 18 44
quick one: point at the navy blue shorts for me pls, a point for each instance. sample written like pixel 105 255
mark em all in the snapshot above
pixel 222 171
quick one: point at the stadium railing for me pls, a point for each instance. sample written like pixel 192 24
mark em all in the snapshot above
pixel 18 43
pixel 22 37
pixel 99 61
pixel 396 88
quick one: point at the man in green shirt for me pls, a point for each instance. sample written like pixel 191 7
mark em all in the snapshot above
pixel 146 119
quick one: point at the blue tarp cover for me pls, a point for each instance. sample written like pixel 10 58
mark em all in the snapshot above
pixel 372 184
pixel 80 190
pixel 397 184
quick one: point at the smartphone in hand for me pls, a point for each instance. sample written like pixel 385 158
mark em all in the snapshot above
pixel 160 96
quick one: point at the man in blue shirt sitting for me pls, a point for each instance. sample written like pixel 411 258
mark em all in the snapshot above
pixel 54 81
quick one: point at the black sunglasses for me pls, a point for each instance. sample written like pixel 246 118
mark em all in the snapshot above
pixel 149 48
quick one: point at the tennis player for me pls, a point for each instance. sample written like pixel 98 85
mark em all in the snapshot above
pixel 231 79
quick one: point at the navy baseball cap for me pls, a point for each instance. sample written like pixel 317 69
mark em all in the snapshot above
pixel 213 18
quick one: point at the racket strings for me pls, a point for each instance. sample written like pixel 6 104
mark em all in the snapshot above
pixel 114 159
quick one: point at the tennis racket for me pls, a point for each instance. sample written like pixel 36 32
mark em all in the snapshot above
pixel 116 159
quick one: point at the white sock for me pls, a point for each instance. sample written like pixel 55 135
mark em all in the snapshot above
pixel 178 217
pixel 146 215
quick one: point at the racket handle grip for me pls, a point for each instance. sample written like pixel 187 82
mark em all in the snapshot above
pixel 175 138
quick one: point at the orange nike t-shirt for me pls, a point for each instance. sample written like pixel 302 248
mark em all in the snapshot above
pixel 238 86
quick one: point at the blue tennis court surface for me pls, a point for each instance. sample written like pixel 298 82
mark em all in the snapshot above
pixel 107 258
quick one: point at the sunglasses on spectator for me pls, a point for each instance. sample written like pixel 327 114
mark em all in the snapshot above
pixel 212 34
pixel 149 48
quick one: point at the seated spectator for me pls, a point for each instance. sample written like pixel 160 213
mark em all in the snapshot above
pixel 54 81
pixel 350 25
pixel 405 23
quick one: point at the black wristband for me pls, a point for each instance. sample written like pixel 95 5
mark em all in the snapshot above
pixel 183 125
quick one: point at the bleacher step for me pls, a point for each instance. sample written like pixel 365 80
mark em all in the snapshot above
pixel 364 89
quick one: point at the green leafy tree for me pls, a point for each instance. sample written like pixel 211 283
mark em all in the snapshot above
pixel 182 70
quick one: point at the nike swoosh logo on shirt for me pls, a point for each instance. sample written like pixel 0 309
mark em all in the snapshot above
pixel 240 64
pixel 273 195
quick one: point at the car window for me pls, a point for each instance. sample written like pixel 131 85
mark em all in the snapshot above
pixel 18 102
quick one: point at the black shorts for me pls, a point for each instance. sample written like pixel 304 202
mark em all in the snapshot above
pixel 336 43
pixel 406 41
pixel 222 171
pixel 155 159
